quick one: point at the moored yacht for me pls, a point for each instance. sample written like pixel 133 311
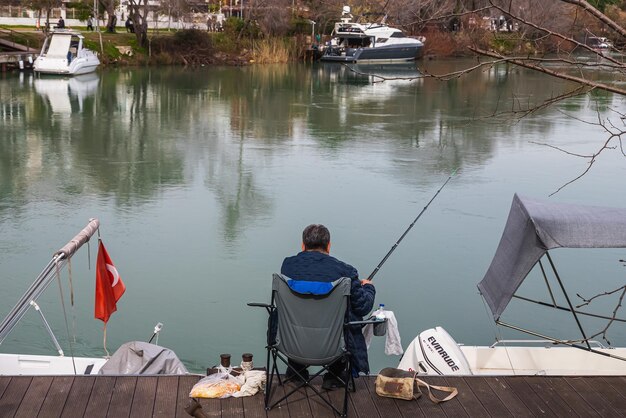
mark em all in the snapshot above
pixel 64 53
pixel 370 42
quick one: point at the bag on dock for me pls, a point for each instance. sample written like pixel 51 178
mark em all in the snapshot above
pixel 401 384
pixel 219 385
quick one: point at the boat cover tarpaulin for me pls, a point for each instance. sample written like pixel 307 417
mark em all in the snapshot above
pixel 535 226
pixel 59 45
pixel 138 357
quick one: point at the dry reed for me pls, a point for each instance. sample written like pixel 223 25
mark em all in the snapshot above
pixel 272 51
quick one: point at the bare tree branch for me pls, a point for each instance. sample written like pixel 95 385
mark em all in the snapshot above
pixel 598 15
pixel 523 62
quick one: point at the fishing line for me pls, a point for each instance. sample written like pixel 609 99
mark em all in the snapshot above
pixel 371 276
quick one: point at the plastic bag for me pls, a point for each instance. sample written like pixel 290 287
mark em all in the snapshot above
pixel 219 385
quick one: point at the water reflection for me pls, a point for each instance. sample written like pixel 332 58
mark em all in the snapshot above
pixel 67 95
pixel 205 178
pixel 132 133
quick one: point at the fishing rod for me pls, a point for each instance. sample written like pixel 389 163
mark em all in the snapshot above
pixel 371 276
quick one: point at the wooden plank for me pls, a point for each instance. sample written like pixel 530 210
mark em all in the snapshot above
pixel 211 407
pixel 591 396
pixel 4 383
pixel 282 410
pixel 145 394
pixel 77 398
pixel 508 397
pixel 253 406
pixel 122 397
pixel 571 397
pixel 185 383
pixel 546 392
pixel 386 407
pixel 532 401
pixel 57 396
pixel 232 407
pixel 427 407
pixel 488 398
pixel 618 383
pixel 34 397
pixel 612 396
pixel 362 402
pixel 409 408
pixel 319 408
pixel 457 406
pixel 166 396
pixel 524 396
pixel 298 402
pixel 101 394
pixel 12 396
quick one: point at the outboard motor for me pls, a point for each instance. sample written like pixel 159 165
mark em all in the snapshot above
pixel 435 352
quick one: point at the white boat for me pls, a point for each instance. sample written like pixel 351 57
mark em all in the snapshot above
pixel 533 228
pixel 599 42
pixel 370 42
pixel 131 358
pixel 63 52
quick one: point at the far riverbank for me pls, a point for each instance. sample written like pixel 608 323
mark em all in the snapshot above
pixel 193 47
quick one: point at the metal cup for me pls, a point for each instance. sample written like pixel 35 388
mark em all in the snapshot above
pixel 380 328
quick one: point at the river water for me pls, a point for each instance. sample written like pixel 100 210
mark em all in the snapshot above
pixel 204 179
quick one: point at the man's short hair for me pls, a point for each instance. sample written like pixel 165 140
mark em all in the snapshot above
pixel 316 237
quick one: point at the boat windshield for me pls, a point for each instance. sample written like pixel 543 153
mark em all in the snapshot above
pixel 356 42
pixel 58 46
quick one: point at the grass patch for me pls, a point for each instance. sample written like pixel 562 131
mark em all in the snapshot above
pixel 505 43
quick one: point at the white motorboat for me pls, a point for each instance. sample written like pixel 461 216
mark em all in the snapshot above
pixel 533 228
pixel 597 42
pixel 64 53
pixel 435 352
pixel 370 42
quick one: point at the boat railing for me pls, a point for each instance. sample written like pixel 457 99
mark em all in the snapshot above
pixel 546 343
pixel 43 280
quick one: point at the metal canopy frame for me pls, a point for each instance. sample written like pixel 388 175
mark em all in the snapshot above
pixel 569 308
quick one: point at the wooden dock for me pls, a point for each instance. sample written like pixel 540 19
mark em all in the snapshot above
pixel 167 396
pixel 13 53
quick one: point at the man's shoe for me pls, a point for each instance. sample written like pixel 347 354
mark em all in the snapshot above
pixel 330 382
pixel 291 375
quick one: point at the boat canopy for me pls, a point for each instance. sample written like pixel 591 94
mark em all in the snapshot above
pixel 536 226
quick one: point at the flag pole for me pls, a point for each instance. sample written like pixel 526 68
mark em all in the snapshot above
pixel 104 342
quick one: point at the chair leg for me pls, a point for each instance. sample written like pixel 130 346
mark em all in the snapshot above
pixel 269 377
pixel 349 378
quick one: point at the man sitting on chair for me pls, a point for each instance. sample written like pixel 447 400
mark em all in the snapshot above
pixel 315 264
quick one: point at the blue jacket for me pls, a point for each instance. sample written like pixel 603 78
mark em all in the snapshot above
pixel 320 267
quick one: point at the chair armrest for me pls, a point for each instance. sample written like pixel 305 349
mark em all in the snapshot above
pixel 269 308
pixel 259 305
pixel 371 320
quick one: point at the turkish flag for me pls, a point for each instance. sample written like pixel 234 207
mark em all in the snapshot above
pixel 109 285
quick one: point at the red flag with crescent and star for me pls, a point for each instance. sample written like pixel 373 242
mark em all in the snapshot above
pixel 109 285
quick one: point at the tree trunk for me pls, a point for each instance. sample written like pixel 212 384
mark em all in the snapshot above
pixel 139 15
pixel 109 7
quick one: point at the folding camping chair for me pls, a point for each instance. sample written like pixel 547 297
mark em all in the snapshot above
pixel 307 324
